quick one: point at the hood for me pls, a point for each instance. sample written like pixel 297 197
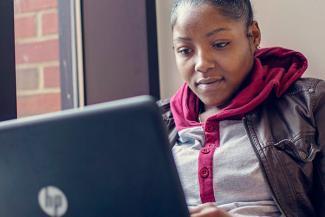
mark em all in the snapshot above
pixel 275 70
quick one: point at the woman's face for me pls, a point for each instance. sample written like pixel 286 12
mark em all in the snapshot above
pixel 213 53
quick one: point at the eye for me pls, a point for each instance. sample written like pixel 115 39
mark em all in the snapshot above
pixel 184 51
pixel 219 45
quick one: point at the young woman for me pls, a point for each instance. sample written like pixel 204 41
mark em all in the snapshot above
pixel 250 132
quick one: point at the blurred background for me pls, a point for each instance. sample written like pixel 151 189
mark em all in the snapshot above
pixel 295 24
pixel 72 53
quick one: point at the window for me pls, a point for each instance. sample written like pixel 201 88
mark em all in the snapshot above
pixel 43 56
pixel 37 57
pixel 53 39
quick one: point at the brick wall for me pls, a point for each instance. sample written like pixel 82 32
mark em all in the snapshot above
pixel 37 57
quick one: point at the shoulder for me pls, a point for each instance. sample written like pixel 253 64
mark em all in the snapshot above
pixel 164 104
pixel 308 90
pixel 304 100
pixel 167 116
pixel 166 113
pixel 307 85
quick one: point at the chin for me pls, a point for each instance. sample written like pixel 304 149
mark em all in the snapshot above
pixel 212 102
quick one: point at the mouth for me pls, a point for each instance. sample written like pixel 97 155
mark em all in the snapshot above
pixel 209 83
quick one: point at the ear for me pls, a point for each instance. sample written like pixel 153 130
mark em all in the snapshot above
pixel 254 34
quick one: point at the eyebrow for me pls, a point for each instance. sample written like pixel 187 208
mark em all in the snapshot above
pixel 213 32
pixel 216 31
pixel 182 39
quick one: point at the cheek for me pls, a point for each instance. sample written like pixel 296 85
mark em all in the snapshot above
pixel 185 69
pixel 238 68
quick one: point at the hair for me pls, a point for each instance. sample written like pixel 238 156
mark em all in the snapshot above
pixel 240 10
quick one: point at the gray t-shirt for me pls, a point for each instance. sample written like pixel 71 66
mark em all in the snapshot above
pixel 239 186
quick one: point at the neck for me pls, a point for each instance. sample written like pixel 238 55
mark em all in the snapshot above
pixel 208 112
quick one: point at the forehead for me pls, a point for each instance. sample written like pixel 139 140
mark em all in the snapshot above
pixel 202 19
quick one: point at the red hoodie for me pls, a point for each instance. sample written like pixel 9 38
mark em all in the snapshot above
pixel 275 69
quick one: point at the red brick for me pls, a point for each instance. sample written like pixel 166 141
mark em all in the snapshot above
pixel 51 77
pixel 37 52
pixel 50 23
pixel 38 104
pixel 25 27
pixel 34 5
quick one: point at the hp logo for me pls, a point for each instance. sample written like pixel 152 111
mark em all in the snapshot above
pixel 53 201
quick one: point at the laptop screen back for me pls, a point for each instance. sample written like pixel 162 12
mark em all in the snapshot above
pixel 109 159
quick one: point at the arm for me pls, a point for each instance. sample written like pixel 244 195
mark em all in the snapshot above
pixel 319 165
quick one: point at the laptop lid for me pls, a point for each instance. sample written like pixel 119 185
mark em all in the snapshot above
pixel 109 159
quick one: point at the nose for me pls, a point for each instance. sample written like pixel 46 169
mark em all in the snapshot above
pixel 204 62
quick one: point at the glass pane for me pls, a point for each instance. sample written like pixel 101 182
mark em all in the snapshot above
pixel 37 57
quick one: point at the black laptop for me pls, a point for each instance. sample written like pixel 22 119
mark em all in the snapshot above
pixel 105 160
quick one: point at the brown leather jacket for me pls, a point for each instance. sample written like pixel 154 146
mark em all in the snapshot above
pixel 288 136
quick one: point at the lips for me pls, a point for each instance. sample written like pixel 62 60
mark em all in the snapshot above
pixel 207 84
